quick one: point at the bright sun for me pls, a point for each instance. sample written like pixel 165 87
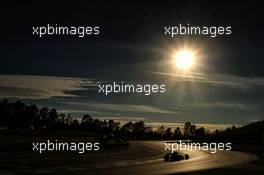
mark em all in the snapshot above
pixel 184 59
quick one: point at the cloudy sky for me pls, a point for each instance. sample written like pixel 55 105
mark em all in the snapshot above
pixel 63 72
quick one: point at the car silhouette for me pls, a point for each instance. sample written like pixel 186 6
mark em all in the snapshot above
pixel 175 156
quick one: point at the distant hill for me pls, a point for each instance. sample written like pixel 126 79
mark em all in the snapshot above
pixel 250 132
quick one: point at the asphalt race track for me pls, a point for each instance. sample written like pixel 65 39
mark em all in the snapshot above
pixel 143 157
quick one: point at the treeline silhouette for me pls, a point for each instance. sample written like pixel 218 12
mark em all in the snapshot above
pixel 18 115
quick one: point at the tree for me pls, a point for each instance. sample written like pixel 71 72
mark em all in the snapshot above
pixel 200 133
pixel 168 133
pixel 192 130
pixel 139 129
pixel 43 116
pixel 52 119
pixel 5 113
pixel 75 124
pixel 177 133
pixel 160 130
pixel 126 130
pixel 187 129
pixel 31 116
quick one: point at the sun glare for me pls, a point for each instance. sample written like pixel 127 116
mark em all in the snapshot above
pixel 184 60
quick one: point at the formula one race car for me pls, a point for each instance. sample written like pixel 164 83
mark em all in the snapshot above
pixel 175 156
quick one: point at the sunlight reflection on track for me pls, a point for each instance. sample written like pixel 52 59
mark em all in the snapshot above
pixel 199 160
